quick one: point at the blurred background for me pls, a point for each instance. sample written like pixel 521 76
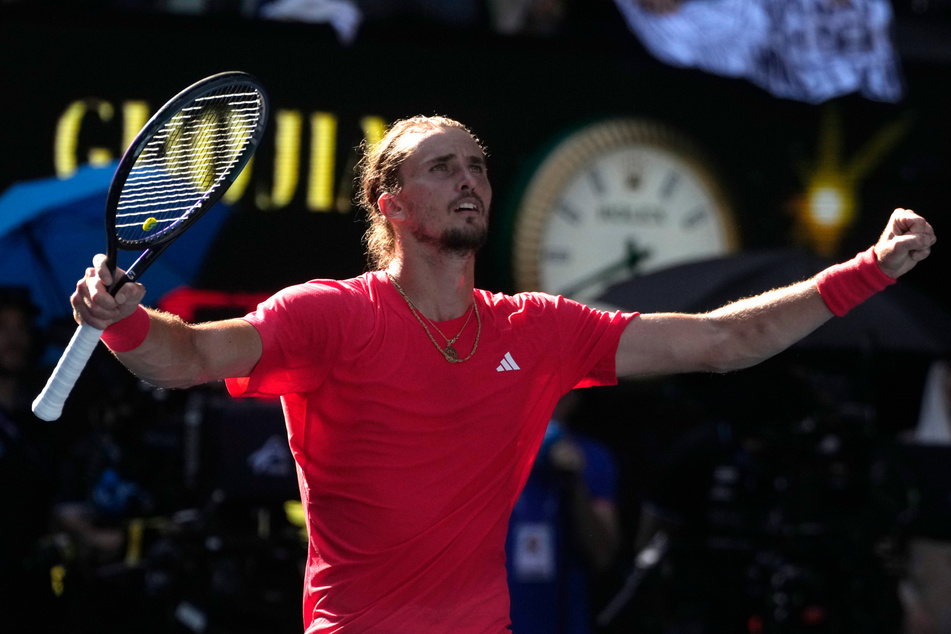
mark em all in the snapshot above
pixel 644 154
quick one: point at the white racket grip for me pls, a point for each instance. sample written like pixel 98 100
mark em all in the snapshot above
pixel 48 405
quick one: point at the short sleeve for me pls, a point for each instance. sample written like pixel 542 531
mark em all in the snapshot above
pixel 589 340
pixel 302 329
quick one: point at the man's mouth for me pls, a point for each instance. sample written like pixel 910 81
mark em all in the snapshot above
pixel 468 206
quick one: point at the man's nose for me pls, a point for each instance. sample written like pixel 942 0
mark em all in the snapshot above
pixel 468 181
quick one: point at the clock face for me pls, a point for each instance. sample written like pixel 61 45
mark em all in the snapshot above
pixel 617 199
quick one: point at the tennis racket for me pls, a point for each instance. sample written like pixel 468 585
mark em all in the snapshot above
pixel 178 167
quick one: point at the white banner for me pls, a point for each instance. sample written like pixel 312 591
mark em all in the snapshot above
pixel 809 50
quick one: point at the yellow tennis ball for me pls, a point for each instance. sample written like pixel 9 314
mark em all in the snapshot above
pixel 149 224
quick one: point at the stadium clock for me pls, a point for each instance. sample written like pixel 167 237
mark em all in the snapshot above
pixel 614 199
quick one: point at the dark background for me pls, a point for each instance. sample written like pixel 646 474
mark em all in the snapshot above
pixel 517 93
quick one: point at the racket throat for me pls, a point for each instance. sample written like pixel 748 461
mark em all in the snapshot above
pixel 133 273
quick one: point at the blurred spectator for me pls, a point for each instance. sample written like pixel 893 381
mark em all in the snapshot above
pixel 564 531
pixel 660 6
pixel 926 592
pixel 343 15
pixel 934 419
pixel 775 515
pixel 347 16
pixel 533 17
pixel 27 480
pixel 459 13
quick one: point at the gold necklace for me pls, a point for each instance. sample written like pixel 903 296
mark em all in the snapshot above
pixel 449 341
pixel 449 353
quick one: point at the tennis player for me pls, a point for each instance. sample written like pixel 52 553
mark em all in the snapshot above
pixel 415 403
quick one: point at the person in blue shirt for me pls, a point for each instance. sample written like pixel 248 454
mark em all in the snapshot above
pixel 564 530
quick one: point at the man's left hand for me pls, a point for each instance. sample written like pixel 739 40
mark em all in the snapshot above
pixel 907 240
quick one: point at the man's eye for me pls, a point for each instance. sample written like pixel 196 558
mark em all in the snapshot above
pixel 440 167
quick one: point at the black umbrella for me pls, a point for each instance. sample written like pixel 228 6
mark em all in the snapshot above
pixel 899 319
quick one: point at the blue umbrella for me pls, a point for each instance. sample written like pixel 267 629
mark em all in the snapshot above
pixel 50 228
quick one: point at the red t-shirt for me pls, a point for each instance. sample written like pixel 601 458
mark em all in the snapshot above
pixel 408 465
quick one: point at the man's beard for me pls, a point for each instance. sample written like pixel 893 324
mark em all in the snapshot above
pixel 456 240
pixel 468 239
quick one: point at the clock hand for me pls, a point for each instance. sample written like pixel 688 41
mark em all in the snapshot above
pixel 632 257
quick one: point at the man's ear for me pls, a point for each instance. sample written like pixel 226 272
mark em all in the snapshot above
pixel 390 206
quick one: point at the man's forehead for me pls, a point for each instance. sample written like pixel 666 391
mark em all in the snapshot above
pixel 428 144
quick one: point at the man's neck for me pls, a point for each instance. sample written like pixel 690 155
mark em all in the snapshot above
pixel 439 285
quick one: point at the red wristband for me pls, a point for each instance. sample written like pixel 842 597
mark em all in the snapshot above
pixel 845 286
pixel 128 333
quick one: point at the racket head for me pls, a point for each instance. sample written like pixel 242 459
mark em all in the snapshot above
pixel 183 160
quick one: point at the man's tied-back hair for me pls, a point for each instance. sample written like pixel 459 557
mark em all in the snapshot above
pixel 378 173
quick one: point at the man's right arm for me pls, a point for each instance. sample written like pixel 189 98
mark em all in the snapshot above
pixel 173 353
pixel 176 354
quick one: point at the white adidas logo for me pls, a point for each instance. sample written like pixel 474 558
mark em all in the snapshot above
pixel 508 364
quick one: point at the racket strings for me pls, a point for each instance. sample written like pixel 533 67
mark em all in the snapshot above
pixel 187 159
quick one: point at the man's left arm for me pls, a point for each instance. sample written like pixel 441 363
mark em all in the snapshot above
pixel 751 330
